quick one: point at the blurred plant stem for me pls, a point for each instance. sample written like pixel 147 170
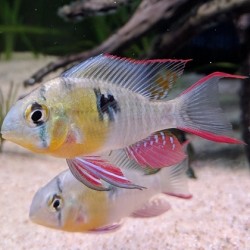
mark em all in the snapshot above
pixel 6 102
pixel 9 16
pixel 11 28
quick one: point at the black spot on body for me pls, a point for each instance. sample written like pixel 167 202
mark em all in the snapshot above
pixel 107 104
pixel 98 100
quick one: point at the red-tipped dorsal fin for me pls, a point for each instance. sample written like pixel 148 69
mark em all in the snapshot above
pixel 150 78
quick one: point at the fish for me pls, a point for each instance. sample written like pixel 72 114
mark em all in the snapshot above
pixel 66 204
pixel 108 103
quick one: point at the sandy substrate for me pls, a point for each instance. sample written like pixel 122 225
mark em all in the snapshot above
pixel 218 216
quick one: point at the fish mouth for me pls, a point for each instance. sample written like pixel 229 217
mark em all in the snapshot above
pixel 32 214
pixel 11 128
pixel 7 134
pixel 35 207
pixel 7 128
pixel 4 131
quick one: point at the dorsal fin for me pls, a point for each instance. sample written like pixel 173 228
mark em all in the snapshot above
pixel 150 78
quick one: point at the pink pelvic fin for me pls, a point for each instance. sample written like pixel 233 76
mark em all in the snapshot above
pixel 98 169
pixel 153 208
pixel 182 196
pixel 82 175
pixel 107 229
pixel 159 150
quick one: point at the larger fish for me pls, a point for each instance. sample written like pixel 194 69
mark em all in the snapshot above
pixel 107 103
pixel 66 204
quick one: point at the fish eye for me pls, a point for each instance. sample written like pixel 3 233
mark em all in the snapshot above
pixel 36 114
pixel 56 203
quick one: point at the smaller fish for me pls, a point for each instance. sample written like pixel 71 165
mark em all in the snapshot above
pixel 66 204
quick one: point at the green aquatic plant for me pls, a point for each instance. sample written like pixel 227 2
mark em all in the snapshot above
pixel 6 102
pixel 12 30
pixel 9 16
pixel 139 48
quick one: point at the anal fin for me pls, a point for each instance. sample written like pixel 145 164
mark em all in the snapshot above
pixel 153 208
pixel 161 149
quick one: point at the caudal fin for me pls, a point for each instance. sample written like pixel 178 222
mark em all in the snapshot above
pixel 200 112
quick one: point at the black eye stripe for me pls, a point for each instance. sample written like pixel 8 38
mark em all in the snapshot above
pixel 36 106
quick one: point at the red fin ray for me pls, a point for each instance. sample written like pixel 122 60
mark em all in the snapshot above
pixel 150 78
pixel 90 171
pixel 211 136
pixel 85 177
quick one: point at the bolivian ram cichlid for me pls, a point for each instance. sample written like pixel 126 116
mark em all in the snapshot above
pixel 66 204
pixel 107 103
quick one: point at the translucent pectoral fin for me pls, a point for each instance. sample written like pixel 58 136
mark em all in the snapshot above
pixel 153 208
pixel 91 170
pixel 58 134
pixel 161 149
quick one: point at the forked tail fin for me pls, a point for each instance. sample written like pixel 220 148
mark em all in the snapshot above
pixel 199 111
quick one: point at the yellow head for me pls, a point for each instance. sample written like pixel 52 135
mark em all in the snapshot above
pixel 58 120
pixel 36 122
pixel 66 204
